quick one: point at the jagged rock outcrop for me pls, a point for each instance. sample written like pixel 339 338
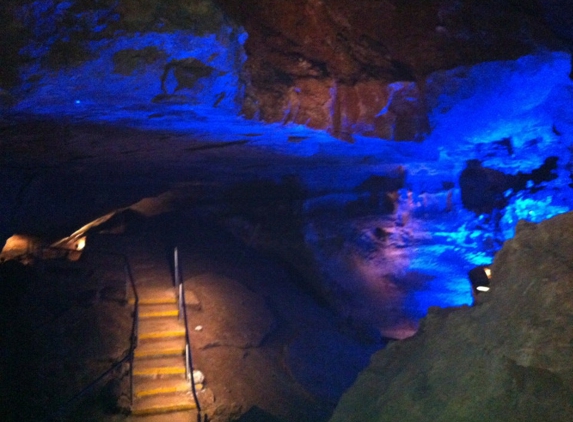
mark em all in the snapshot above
pixel 349 67
pixel 335 65
pixel 508 358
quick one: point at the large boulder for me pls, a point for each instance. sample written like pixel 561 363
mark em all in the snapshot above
pixel 508 358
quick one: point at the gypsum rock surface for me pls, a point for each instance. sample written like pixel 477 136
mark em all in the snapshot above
pixel 508 358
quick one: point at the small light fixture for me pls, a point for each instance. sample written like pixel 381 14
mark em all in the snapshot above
pixel 480 277
pixel 81 243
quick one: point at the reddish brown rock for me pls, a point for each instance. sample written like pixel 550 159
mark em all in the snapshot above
pixel 332 65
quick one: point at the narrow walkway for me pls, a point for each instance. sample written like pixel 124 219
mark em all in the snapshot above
pixel 257 336
pixel 161 387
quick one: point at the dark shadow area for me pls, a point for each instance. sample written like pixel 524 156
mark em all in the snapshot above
pixel 484 189
pixel 256 414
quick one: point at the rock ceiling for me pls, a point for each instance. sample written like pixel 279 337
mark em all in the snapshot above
pixel 348 67
pixel 487 81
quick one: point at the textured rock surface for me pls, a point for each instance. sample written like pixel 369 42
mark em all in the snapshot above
pixel 326 362
pixel 349 67
pixel 241 319
pixel 332 64
pixel 143 52
pixel 506 359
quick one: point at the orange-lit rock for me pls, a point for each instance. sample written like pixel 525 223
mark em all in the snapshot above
pixel 332 65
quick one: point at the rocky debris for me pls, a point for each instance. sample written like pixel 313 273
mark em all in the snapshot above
pixel 191 299
pixel 507 358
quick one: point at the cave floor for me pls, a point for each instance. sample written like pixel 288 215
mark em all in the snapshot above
pixel 268 350
pixel 269 345
pixel 262 340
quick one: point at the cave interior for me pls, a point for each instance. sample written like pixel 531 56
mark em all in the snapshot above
pixel 338 168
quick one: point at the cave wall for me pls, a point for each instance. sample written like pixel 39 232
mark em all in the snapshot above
pixel 356 68
pixel 359 67
pixel 126 53
pixel 506 359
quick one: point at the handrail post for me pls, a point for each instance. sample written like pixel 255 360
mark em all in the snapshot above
pixel 183 313
pixel 131 378
pixel 176 280
pixel 181 298
pixel 187 365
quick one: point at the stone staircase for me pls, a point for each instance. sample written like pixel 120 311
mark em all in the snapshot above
pixel 160 384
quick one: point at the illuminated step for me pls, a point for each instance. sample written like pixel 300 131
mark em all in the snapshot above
pixel 159 366
pixel 167 347
pixel 160 370
pixel 158 311
pixel 156 335
pixel 163 404
pixel 169 365
pixel 157 387
pixel 160 328
pixel 159 300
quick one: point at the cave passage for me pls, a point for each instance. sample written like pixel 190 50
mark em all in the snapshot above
pixel 328 223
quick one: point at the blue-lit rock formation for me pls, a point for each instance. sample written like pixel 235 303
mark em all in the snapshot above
pixel 125 56
pixel 387 268
pixel 457 117
pixel 507 359
pixel 384 233
pixel 359 67
pixel 356 68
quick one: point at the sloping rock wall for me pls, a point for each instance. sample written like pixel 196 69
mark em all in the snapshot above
pixel 509 358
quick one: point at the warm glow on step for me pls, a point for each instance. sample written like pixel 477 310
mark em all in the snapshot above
pixel 161 334
pixel 162 409
pixel 182 388
pixel 169 351
pixel 159 314
pixel 166 370
pixel 155 300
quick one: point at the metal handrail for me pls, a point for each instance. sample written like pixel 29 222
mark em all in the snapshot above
pixel 133 339
pixel 188 357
